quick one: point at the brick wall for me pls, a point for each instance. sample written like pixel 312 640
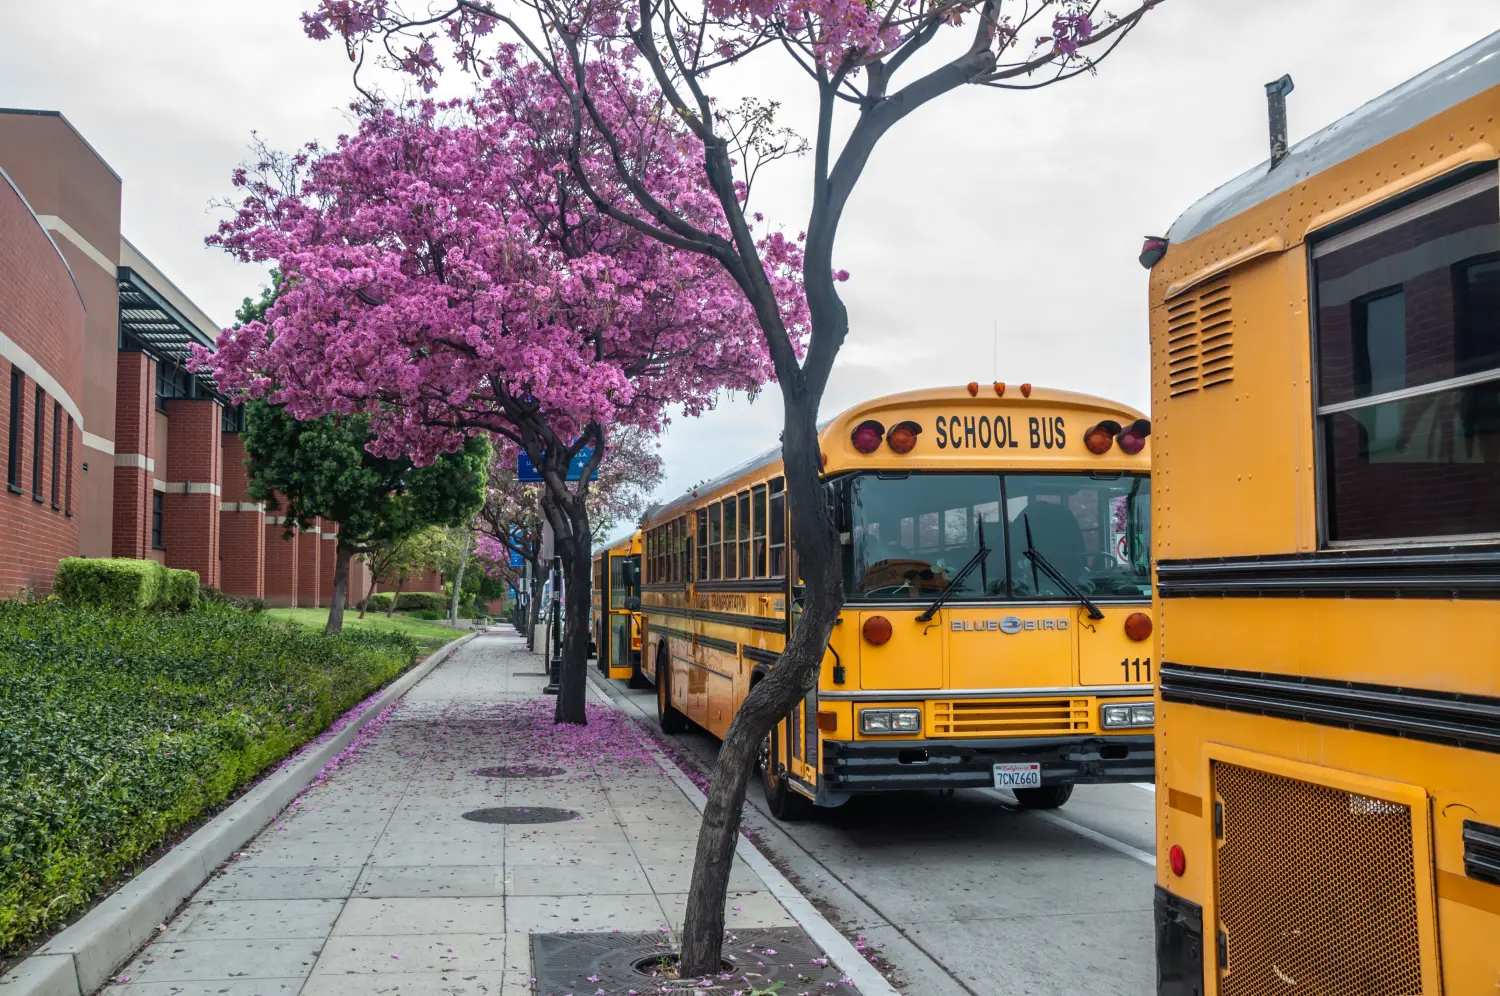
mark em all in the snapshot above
pixel 42 321
pixel 194 477
pixel 310 566
pixel 281 563
pixel 242 527
pixel 135 449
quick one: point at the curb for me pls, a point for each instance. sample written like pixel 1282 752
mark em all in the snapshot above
pixel 835 945
pixel 83 956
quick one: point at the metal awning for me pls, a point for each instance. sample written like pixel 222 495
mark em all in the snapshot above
pixel 152 321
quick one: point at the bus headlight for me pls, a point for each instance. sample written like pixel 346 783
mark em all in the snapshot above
pixel 1126 715
pixel 890 720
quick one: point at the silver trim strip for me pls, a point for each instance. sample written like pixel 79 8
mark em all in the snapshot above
pixel 903 695
pixel 1436 387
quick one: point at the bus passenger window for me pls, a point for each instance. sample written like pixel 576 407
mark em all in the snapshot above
pixel 1407 329
pixel 758 534
pixel 730 529
pixel 715 538
pixel 778 528
pixel 746 567
pixel 702 544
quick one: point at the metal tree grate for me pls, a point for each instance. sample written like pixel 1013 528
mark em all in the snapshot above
pixel 566 963
pixel 519 771
pixel 521 814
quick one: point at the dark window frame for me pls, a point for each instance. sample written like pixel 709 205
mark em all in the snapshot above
pixel 68 477
pixel 39 419
pixel 56 448
pixel 777 538
pixel 158 519
pixel 17 413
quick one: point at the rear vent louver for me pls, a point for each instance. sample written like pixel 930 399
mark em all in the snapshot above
pixel 1200 341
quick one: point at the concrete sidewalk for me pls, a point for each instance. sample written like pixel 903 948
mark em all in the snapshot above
pixel 386 877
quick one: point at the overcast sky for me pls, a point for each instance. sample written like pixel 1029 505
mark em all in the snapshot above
pixel 1017 210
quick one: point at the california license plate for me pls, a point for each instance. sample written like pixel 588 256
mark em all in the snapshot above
pixel 1018 776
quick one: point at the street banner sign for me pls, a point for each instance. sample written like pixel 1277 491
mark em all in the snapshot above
pixel 526 471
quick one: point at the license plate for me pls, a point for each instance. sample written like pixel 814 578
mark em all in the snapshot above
pixel 1014 776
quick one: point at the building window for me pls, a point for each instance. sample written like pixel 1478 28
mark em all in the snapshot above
pixel 56 447
pixel 233 419
pixel 13 454
pixel 68 477
pixel 157 508
pixel 36 445
pixel 1408 370
pixel 171 382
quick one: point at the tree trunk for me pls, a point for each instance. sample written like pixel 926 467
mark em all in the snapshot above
pixel 395 597
pixel 793 676
pixel 577 571
pixel 342 555
pixel 374 584
pixel 458 581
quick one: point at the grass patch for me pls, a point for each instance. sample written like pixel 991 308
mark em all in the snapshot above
pixel 118 729
pixel 429 635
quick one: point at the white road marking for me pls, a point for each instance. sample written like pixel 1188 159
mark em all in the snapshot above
pixel 1118 846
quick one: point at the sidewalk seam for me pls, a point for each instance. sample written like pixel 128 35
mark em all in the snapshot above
pixel 113 931
pixel 835 945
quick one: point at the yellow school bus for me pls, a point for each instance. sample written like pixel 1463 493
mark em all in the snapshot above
pixel 1325 338
pixel 995 544
pixel 616 610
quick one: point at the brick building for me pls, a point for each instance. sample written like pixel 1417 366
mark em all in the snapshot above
pixel 113 449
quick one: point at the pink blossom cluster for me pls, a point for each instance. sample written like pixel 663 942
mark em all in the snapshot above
pixel 446 272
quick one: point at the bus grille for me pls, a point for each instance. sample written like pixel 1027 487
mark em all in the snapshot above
pixel 1009 717
pixel 1315 890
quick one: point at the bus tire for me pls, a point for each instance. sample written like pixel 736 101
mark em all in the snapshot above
pixel 637 676
pixel 1046 797
pixel 671 721
pixel 783 802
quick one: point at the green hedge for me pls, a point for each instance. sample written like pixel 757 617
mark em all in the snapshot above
pixel 378 602
pixel 431 601
pixel 181 591
pixel 116 583
pixel 117 728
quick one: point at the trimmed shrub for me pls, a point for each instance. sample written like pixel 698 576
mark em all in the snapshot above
pixel 427 614
pixel 111 583
pixel 250 603
pixel 181 591
pixel 378 602
pixel 431 601
pixel 119 728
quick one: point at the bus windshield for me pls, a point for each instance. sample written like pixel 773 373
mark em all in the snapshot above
pixel 911 535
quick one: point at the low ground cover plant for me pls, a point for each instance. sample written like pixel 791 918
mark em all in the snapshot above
pixel 117 728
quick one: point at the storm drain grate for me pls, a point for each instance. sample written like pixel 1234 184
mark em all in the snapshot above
pixel 521 814
pixel 519 771
pixel 606 962
pixel 530 674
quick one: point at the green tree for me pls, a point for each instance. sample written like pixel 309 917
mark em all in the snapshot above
pixel 322 468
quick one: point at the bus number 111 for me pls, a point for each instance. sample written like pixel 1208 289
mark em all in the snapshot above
pixel 1127 664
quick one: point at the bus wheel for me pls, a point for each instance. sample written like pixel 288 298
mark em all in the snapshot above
pixel 1046 797
pixel 637 677
pixel 784 803
pixel 671 721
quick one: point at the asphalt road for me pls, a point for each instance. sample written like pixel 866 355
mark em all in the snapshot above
pixel 968 894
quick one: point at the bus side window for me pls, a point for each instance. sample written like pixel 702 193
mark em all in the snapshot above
pixel 731 571
pixel 746 566
pixel 778 528
pixel 758 534
pixel 715 538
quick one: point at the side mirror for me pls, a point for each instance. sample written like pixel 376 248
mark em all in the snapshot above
pixel 632 603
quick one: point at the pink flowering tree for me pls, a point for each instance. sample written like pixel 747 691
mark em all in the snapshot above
pixel 869 64
pixel 446 273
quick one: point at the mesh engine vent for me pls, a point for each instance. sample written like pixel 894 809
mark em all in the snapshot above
pixel 1315 890
pixel 1200 341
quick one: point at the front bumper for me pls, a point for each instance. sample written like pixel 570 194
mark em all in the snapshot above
pixel 892 765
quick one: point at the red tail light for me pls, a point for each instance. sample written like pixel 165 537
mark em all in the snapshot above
pixel 1152 251
pixel 1177 860
pixel 867 436
pixel 1101 437
pixel 1138 626
pixel 1133 436
pixel 877 629
pixel 903 436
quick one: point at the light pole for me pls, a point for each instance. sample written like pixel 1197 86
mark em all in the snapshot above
pixel 554 666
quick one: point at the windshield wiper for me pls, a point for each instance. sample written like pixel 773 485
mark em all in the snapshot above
pixel 980 556
pixel 1038 561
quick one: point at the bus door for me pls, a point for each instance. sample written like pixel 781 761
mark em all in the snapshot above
pixel 622 585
